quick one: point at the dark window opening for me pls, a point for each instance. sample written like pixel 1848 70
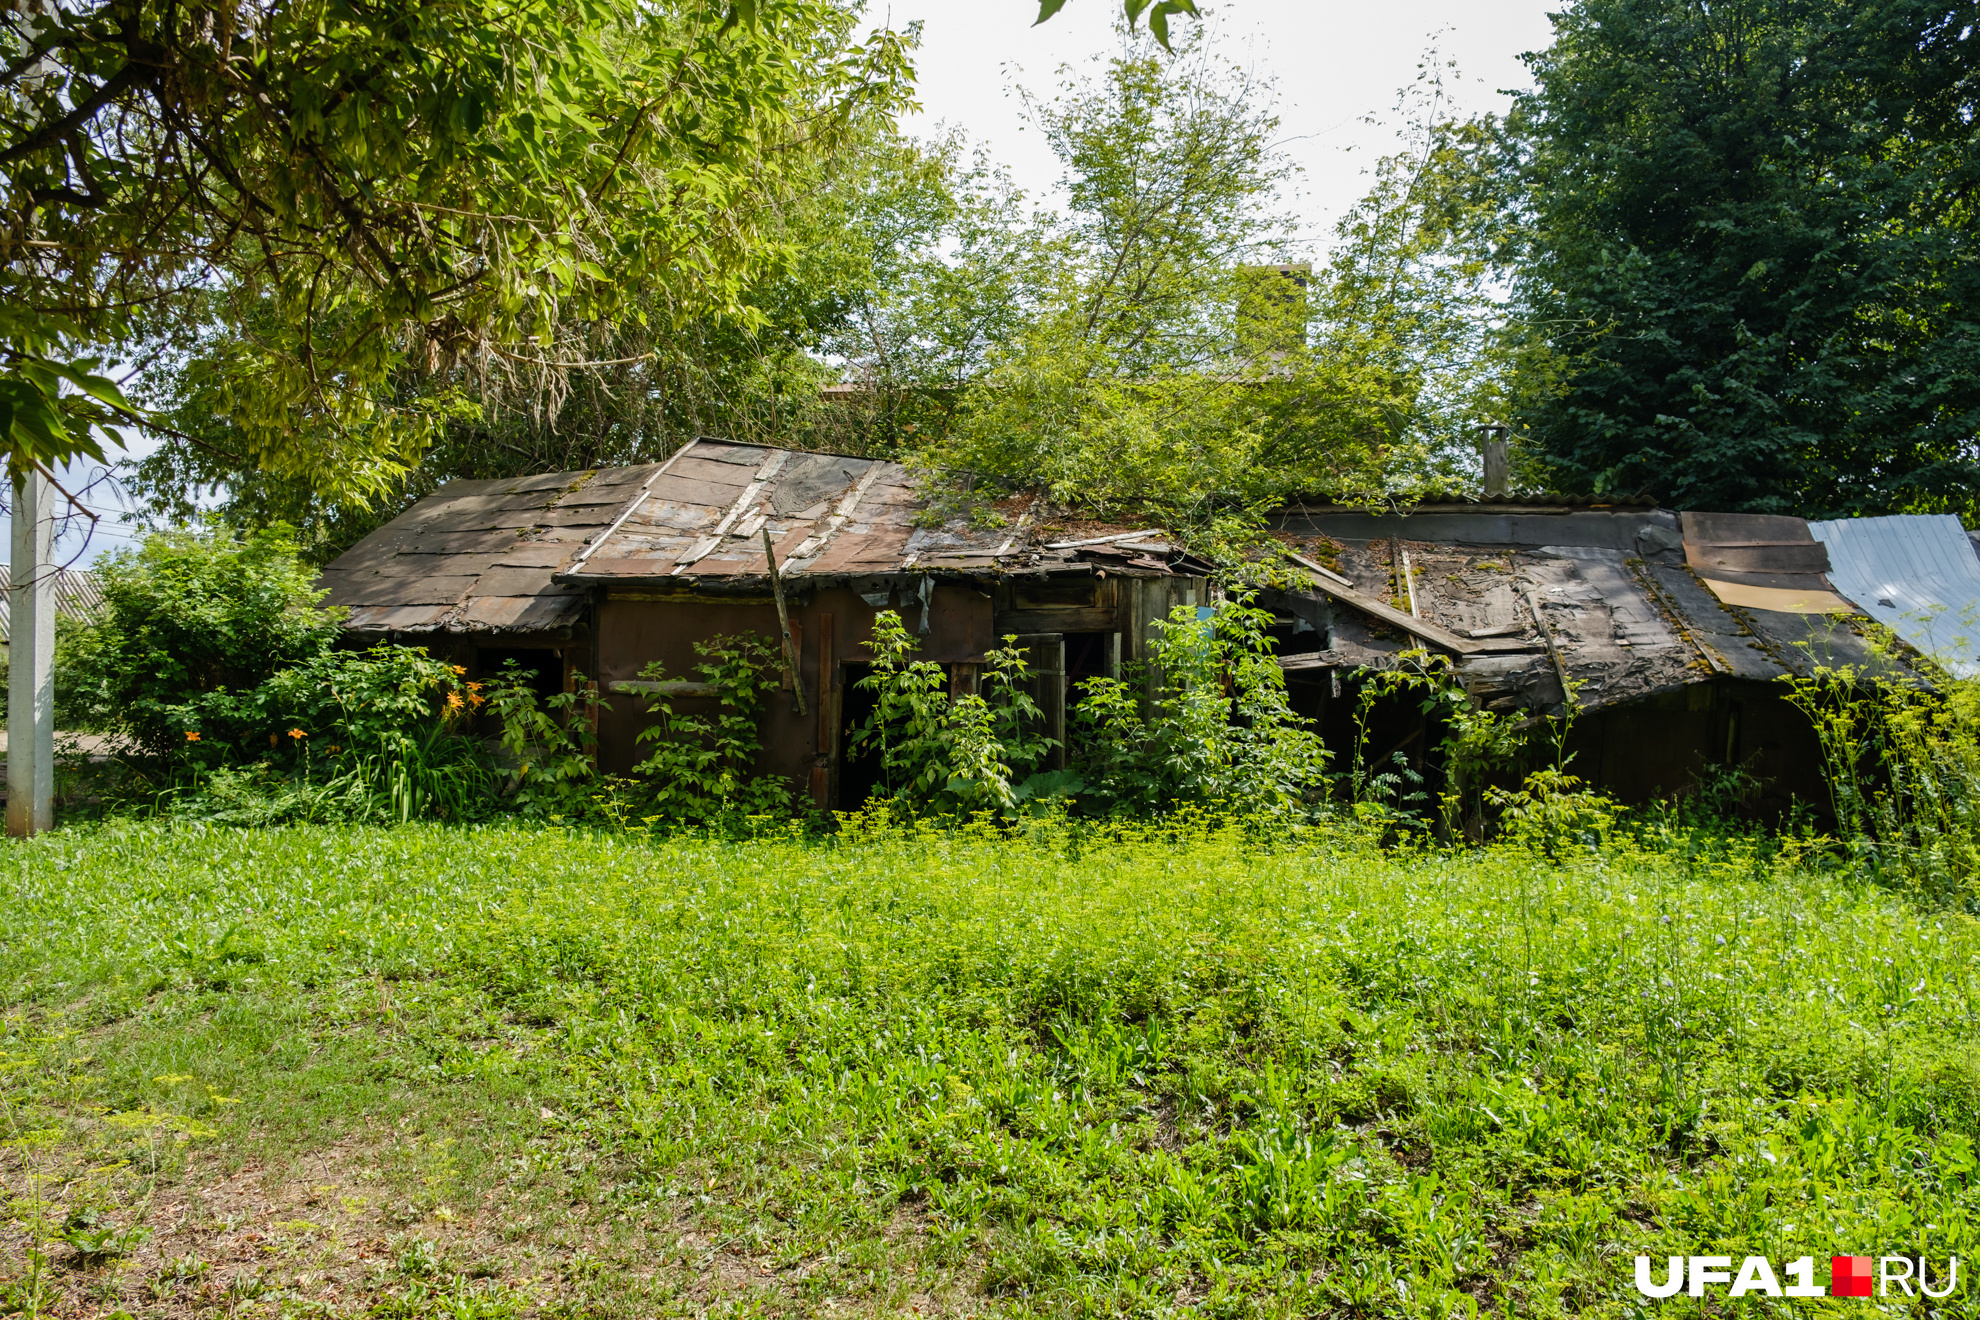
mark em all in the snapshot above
pixel 1295 636
pixel 545 666
pixel 1088 655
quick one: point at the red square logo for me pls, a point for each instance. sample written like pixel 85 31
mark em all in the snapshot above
pixel 1849 1276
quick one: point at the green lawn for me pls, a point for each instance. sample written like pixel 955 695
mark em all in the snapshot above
pixel 507 1072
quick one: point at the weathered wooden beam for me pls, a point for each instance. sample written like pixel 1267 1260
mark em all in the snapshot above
pixel 1553 647
pixel 1329 584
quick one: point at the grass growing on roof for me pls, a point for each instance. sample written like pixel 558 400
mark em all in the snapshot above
pixel 497 1071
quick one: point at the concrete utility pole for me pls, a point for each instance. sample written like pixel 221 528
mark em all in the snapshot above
pixel 31 660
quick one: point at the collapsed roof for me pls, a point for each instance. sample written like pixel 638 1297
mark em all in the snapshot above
pixel 520 555
pixel 1550 605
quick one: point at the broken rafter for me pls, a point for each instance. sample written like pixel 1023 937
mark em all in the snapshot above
pixel 1328 585
pixel 1105 540
pixel 1553 649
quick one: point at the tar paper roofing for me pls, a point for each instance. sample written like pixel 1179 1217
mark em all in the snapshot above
pixel 520 554
pixel 1617 604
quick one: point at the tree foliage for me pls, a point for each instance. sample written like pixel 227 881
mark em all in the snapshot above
pixel 368 188
pixel 1124 387
pixel 889 263
pixel 1750 239
pixel 1181 364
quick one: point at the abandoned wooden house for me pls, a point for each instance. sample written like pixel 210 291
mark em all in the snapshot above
pixel 1663 633
pixel 602 573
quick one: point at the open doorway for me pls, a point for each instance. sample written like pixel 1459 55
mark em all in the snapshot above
pixel 860 773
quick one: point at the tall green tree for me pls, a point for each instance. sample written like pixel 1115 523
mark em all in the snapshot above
pixel 1413 345
pixel 1181 363
pixel 1752 243
pixel 367 188
pixel 1125 385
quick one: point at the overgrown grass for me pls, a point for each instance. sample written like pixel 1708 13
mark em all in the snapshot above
pixel 496 1071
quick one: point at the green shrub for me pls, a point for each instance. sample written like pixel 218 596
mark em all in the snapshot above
pixel 214 658
pixel 193 625
pixel 1903 765
pixel 958 754
pixel 1217 731
pixel 550 746
pixel 393 721
pixel 701 767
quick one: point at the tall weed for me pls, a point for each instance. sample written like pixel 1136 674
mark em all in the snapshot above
pixel 702 767
pixel 954 754
pixel 1902 760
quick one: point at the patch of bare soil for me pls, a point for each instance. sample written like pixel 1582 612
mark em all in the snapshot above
pixel 361 1227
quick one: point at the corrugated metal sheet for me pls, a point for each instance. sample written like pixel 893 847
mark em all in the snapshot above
pixel 1918 574
pixel 78 595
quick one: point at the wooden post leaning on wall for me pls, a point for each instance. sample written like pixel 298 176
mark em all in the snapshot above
pixel 784 623
pixel 591 717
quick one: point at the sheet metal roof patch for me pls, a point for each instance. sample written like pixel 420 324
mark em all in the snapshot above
pixel 1918 574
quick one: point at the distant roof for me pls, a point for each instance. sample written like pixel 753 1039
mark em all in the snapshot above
pixel 1458 501
pixel 1918 574
pixel 518 555
pixel 78 595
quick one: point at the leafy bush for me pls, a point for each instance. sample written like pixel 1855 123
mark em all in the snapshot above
pixel 393 720
pixel 194 624
pixel 949 754
pixel 1553 810
pixel 380 735
pixel 1476 744
pixel 550 746
pixel 701 770
pixel 214 658
pixel 1218 730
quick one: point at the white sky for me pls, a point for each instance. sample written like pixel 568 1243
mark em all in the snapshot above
pixel 1336 65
